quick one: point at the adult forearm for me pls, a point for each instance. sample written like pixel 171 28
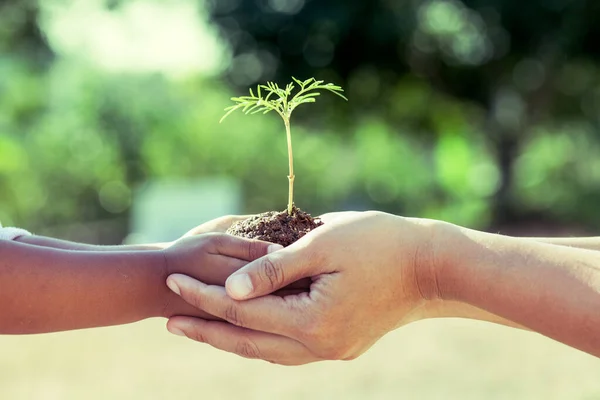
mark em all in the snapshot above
pixel 550 289
pixel 589 243
pixel 437 308
pixel 455 309
pixel 45 290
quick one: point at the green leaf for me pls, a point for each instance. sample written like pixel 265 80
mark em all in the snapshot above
pixel 271 97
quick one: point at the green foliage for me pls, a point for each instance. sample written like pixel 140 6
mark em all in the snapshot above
pixel 278 99
pixel 427 134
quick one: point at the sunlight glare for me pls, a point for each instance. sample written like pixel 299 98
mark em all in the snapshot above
pixel 173 38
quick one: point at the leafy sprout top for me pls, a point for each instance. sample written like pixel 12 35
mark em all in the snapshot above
pixel 283 101
pixel 271 97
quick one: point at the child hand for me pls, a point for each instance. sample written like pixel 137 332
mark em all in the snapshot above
pixel 210 258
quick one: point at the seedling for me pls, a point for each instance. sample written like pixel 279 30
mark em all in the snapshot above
pixel 283 101
pixel 287 226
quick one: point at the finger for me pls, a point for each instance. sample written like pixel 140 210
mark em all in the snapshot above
pixel 275 271
pixel 178 306
pixel 217 275
pixel 238 247
pixel 216 225
pixel 185 309
pixel 334 216
pixel 243 342
pixel 268 314
pixel 228 265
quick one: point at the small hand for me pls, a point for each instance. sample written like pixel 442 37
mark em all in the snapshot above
pixel 211 257
pixel 364 269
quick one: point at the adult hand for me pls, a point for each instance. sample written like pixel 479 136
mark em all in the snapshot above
pixel 364 267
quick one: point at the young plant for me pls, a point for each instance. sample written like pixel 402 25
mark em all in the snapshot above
pixel 283 101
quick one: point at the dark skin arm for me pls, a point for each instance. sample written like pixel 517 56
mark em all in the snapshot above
pixel 46 289
pixel 216 225
pixel 43 241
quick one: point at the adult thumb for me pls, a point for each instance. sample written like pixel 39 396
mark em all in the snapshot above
pixel 270 273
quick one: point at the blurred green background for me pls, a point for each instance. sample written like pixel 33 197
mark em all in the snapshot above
pixel 480 112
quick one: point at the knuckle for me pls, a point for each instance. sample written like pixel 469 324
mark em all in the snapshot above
pixel 198 336
pixel 272 273
pixel 232 315
pixel 247 348
pixel 219 240
pixel 255 250
pixel 194 299
pixel 319 258
pixel 207 242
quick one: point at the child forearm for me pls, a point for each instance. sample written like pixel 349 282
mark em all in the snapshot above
pixel 68 245
pixel 215 225
pixel 46 290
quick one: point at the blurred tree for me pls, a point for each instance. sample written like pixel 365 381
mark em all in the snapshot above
pixel 480 112
pixel 525 64
pixel 20 34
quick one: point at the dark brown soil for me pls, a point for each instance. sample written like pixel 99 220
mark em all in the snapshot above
pixel 276 227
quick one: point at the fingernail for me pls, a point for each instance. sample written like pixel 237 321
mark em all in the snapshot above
pixel 240 286
pixel 173 286
pixel 273 248
pixel 175 331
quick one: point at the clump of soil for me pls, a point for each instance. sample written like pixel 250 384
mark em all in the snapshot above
pixel 276 227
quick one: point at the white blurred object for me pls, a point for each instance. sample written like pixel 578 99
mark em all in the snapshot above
pixel 174 38
pixel 162 211
pixel 12 233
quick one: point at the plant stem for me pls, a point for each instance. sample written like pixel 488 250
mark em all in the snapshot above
pixel 291 176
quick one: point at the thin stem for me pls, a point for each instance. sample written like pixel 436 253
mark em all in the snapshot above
pixel 284 106
pixel 291 176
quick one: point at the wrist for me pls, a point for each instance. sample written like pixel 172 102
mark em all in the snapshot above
pixel 171 304
pixel 167 297
pixel 157 295
pixel 462 253
pixel 434 258
pixel 142 275
pixel 442 270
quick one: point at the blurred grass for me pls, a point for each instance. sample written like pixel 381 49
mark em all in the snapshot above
pixel 442 359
